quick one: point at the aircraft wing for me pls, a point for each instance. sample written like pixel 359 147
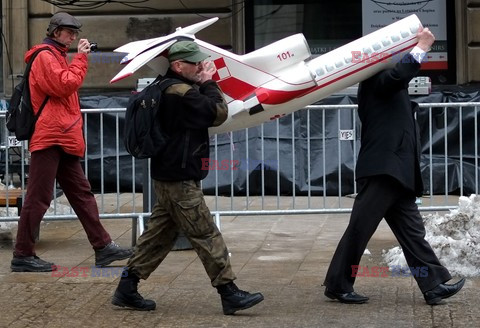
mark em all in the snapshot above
pixel 141 60
pixel 142 52
pixel 136 47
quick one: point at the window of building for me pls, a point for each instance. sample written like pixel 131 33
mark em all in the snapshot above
pixel 329 24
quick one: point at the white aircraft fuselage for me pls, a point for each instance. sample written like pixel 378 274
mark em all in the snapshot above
pixel 281 77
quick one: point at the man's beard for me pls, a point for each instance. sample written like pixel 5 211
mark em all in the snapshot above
pixel 194 77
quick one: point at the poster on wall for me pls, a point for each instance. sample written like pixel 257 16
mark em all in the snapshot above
pixel 432 13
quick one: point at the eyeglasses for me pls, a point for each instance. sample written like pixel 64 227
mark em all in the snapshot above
pixel 191 63
pixel 70 31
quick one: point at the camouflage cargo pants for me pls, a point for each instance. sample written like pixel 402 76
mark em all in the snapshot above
pixel 180 205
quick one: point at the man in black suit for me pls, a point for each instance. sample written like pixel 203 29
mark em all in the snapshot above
pixel 388 177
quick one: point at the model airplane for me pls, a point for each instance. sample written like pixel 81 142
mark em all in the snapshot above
pixel 279 78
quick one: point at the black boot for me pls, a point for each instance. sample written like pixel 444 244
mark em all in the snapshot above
pixel 127 294
pixel 111 252
pixel 234 299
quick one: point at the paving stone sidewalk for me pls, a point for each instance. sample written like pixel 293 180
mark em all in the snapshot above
pixel 284 257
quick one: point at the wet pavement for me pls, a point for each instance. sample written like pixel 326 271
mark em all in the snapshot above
pixel 284 257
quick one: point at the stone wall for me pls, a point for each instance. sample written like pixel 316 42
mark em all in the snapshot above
pixel 111 26
pixel 473 41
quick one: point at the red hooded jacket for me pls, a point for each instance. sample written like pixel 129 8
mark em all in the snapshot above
pixel 61 122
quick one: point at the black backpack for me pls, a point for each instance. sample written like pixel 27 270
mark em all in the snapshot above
pixel 143 136
pixel 20 117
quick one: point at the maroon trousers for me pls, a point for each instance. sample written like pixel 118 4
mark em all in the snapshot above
pixel 45 166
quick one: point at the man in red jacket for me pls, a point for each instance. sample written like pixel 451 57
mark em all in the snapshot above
pixel 56 147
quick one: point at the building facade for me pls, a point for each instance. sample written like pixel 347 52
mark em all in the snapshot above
pixel 243 26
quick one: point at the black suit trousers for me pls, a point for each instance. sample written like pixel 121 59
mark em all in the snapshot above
pixel 384 197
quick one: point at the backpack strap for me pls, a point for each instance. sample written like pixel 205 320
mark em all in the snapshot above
pixel 164 83
pixel 27 74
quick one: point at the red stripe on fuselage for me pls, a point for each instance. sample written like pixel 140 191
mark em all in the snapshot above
pixel 238 89
pixel 235 88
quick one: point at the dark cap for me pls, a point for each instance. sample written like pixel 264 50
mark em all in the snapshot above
pixel 62 19
pixel 186 50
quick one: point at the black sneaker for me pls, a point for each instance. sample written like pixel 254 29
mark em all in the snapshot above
pixel 31 264
pixel 235 299
pixel 126 295
pixel 111 252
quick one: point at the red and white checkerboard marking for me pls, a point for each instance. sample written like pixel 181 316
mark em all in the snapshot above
pixel 222 70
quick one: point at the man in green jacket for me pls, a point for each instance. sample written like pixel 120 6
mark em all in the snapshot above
pixel 189 108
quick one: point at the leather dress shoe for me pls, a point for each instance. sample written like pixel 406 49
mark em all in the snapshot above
pixel 436 295
pixel 348 298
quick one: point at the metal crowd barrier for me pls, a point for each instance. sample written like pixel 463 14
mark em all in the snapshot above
pixel 124 205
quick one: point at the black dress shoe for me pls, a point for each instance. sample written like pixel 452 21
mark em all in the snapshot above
pixel 442 291
pixel 349 298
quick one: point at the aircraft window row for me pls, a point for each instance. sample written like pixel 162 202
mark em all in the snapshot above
pixel 395 38
pixel 368 50
pixel 319 71
pixel 404 34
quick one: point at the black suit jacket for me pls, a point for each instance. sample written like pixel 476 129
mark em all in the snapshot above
pixel 390 142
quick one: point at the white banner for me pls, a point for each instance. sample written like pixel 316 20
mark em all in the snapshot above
pixel 379 13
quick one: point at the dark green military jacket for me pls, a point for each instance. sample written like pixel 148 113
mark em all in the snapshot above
pixel 188 110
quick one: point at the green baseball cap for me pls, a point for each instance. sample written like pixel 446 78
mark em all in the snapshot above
pixel 186 50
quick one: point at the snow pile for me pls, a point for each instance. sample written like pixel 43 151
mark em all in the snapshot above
pixel 455 238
